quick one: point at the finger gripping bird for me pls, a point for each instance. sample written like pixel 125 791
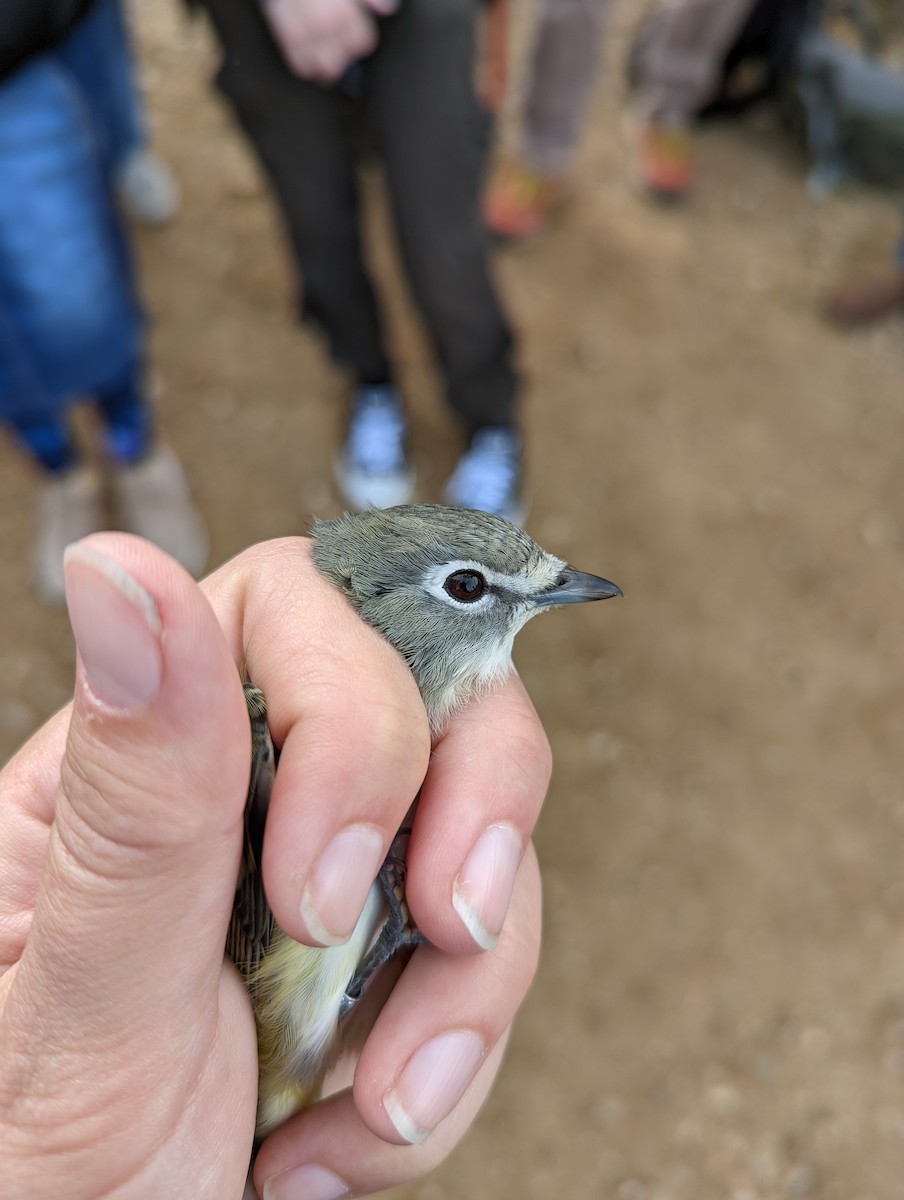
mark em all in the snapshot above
pixel 449 588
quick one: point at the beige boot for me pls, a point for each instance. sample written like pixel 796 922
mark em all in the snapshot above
pixel 153 500
pixel 70 506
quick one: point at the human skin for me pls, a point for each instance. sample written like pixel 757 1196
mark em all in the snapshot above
pixel 127 1043
pixel 320 38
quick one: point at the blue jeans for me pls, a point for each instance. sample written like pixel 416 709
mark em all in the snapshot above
pixel 99 56
pixel 70 323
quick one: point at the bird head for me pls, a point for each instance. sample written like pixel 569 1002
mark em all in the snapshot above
pixel 449 588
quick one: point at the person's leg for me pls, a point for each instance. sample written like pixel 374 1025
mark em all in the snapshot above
pixel 35 418
pixel 45 437
pixel 99 56
pixel 300 133
pixel 432 136
pixel 525 190
pixel 38 260
pixel 70 309
pixel 98 53
pixel 680 60
pixel 677 65
pixel 67 284
pixel 562 70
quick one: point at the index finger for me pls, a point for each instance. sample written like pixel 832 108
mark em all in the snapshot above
pixel 346 716
pixel 480 801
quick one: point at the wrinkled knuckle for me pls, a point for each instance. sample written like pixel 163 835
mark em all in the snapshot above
pixel 116 807
pixel 91 786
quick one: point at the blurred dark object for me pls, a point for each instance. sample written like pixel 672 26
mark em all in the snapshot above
pixel 352 82
pixel 765 53
pixel 867 301
pixel 28 27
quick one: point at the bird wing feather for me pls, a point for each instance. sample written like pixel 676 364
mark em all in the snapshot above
pixel 252 926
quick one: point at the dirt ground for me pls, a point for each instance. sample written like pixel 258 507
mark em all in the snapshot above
pixel 719 1011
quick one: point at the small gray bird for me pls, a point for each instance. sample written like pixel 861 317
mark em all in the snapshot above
pixel 449 588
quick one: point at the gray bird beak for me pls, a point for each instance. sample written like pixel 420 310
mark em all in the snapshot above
pixel 576 587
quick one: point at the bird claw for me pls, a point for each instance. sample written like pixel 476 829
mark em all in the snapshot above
pixel 399 931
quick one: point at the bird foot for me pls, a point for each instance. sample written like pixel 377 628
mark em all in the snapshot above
pixel 399 931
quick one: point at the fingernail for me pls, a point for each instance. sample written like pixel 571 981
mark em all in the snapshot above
pixel 433 1081
pixel 309 1182
pixel 483 889
pixel 339 882
pixel 117 628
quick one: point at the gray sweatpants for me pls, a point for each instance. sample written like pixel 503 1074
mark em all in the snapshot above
pixel 679 63
pixel 680 57
pixel 561 71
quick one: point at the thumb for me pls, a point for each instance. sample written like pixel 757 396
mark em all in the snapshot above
pixel 130 918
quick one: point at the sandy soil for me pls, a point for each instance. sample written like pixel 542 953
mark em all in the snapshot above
pixel 719 1011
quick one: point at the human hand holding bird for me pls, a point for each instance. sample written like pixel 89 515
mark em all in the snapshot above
pixel 449 589
pixel 125 1042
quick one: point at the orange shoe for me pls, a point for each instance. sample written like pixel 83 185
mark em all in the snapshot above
pixel 519 201
pixel 664 157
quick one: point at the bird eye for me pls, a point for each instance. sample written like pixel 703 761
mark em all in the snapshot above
pixel 465 586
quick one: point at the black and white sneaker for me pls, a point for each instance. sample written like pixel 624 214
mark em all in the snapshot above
pixel 488 475
pixel 372 470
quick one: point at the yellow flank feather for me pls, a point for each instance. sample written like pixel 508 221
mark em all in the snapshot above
pixel 298 991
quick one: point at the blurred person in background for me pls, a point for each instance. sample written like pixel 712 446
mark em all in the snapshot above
pixel 563 61
pixel 702 57
pixel 676 68
pixel 681 63
pixel 311 83
pixel 71 325
pixel 105 69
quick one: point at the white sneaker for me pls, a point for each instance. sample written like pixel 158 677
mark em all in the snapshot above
pixel 373 470
pixel 70 506
pixel 153 500
pixel 488 475
pixel 146 188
